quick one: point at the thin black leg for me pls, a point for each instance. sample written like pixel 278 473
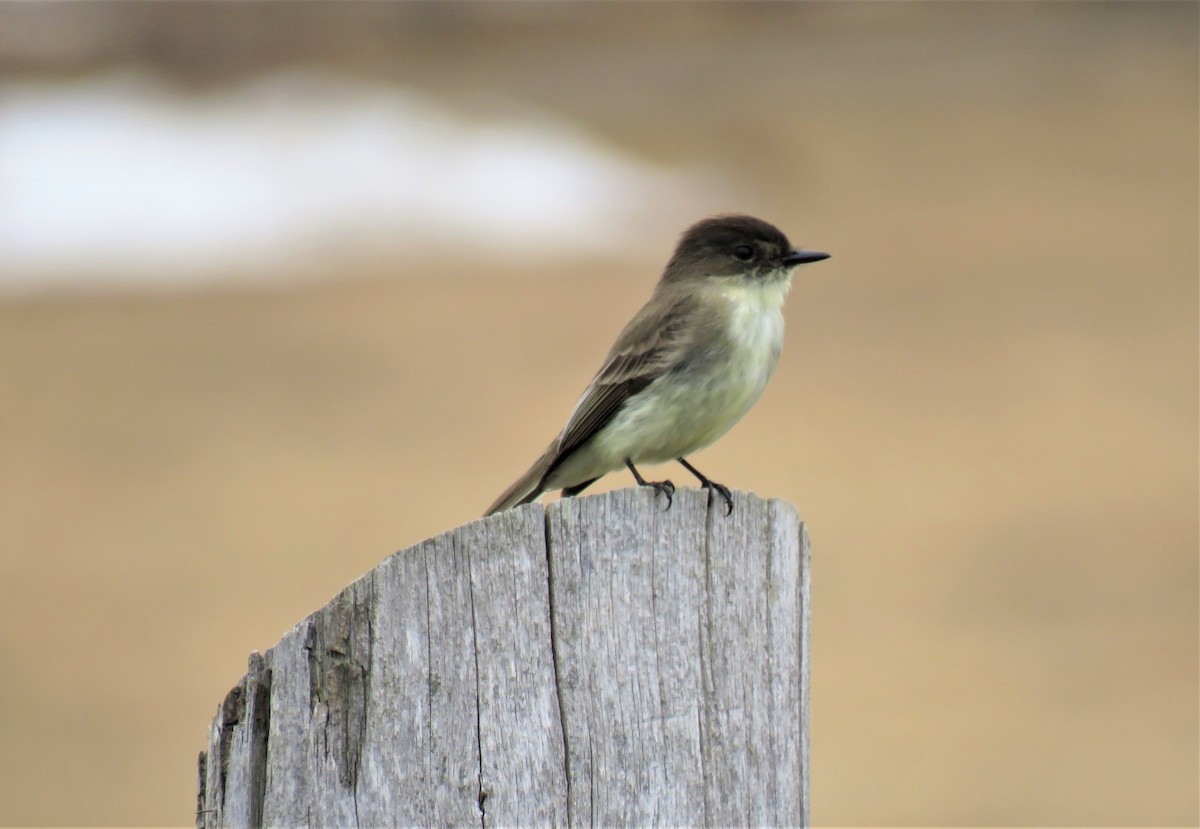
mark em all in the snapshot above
pixel 665 487
pixel 711 486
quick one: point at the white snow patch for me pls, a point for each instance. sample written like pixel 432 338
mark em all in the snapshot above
pixel 125 178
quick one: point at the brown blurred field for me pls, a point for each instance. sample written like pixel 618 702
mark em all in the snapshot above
pixel 986 411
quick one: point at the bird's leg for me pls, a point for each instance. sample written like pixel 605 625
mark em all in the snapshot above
pixel 665 487
pixel 711 486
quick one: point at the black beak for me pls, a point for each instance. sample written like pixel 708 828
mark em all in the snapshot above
pixel 803 257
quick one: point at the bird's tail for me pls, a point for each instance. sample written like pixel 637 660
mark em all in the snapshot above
pixel 528 486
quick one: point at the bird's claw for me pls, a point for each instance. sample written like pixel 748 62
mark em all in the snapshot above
pixel 663 488
pixel 723 491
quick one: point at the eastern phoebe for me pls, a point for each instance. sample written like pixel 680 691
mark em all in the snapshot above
pixel 686 367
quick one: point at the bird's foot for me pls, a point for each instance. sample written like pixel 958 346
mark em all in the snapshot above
pixel 720 489
pixel 660 487
pixel 711 486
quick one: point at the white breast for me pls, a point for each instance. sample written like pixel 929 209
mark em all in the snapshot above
pixel 756 325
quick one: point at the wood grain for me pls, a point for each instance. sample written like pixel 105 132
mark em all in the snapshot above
pixel 599 661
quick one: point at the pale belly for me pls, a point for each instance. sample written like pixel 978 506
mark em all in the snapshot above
pixel 679 416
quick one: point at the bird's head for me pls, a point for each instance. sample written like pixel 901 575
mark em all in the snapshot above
pixel 735 246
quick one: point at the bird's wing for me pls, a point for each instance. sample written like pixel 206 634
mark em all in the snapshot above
pixel 650 345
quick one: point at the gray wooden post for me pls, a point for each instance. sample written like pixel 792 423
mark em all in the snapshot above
pixel 599 661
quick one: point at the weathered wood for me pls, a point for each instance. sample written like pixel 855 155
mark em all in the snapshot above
pixel 601 661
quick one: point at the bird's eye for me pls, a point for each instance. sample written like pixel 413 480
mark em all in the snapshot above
pixel 744 252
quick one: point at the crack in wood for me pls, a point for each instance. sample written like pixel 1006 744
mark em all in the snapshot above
pixel 482 793
pixel 337 677
pixel 552 602
pixel 260 734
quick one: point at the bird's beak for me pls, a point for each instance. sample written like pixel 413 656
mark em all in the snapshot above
pixel 803 257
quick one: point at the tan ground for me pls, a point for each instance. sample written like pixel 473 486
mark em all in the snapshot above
pixel 986 410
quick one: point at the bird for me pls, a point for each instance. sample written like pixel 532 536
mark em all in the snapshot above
pixel 686 368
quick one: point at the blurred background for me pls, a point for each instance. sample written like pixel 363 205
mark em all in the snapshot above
pixel 287 287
